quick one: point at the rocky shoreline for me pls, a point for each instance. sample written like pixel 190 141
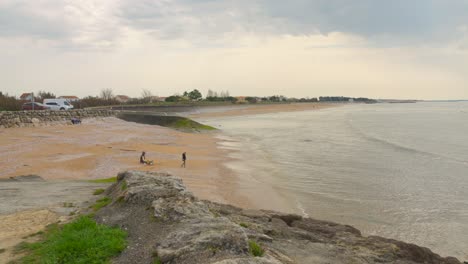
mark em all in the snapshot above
pixel 167 223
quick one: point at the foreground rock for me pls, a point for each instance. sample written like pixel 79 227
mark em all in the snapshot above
pixel 168 223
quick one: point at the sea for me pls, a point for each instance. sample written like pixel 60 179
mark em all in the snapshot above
pixel 394 170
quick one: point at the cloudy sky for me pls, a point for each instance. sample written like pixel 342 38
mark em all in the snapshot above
pixel 372 48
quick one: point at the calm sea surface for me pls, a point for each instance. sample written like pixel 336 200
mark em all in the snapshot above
pixel 393 170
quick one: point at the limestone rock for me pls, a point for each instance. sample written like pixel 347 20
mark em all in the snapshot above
pixel 166 221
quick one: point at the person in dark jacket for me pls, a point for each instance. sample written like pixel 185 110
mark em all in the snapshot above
pixel 184 158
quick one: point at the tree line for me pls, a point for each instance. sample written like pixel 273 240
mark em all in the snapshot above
pixel 107 97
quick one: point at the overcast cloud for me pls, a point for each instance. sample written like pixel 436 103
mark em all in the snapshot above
pixel 375 48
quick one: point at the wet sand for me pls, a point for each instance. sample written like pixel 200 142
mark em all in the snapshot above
pixel 255 109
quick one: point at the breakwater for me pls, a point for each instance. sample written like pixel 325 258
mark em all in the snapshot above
pixel 9 119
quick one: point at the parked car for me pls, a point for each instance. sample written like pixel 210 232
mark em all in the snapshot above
pixel 37 106
pixel 58 104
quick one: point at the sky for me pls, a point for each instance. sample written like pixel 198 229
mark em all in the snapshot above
pixel 398 49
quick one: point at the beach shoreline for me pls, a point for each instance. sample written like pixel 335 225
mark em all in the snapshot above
pixel 103 147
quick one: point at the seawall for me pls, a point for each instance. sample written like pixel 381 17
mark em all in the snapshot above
pixel 9 119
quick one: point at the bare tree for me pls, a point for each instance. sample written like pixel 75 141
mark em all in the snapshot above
pixel 107 94
pixel 146 95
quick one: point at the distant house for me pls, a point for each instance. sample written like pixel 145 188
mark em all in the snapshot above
pixel 70 98
pixel 241 99
pixel 158 99
pixel 26 96
pixel 122 98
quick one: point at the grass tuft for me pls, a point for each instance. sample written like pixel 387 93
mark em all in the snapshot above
pixel 108 180
pixel 255 249
pixel 81 241
pixel 98 191
pixel 101 203
pixel 244 225
pixel 124 186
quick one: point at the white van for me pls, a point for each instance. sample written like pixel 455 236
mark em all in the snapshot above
pixel 58 104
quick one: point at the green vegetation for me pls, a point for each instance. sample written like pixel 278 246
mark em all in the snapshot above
pixel 81 241
pixel 98 191
pixel 124 186
pixel 156 259
pixel 255 249
pixel 175 122
pixel 101 203
pixel 185 123
pixel 108 180
pixel 244 225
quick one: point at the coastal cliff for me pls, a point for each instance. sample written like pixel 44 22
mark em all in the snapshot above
pixel 167 224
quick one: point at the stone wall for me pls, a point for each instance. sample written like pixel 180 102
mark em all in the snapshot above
pixel 40 118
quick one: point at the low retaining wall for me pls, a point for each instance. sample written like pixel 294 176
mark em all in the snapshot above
pixel 39 118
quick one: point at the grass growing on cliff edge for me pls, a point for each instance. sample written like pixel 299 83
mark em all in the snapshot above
pixel 255 249
pixel 108 180
pixel 81 241
pixel 98 191
pixel 101 203
pixel 185 123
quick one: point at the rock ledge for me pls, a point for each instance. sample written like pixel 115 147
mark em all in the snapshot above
pixel 165 221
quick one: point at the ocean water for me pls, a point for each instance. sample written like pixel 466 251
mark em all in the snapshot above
pixel 393 170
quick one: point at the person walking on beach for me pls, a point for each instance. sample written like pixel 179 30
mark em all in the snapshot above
pixel 184 158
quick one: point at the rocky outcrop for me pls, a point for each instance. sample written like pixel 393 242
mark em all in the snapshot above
pixel 40 118
pixel 166 222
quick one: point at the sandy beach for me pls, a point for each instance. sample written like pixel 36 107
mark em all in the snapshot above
pixel 101 148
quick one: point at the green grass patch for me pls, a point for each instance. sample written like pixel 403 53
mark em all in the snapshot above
pixel 108 180
pixel 185 123
pixel 101 203
pixel 81 241
pixel 98 191
pixel 124 186
pixel 244 225
pixel 255 249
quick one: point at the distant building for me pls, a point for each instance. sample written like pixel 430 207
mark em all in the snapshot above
pixel 241 99
pixel 26 96
pixel 122 98
pixel 70 98
pixel 158 99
